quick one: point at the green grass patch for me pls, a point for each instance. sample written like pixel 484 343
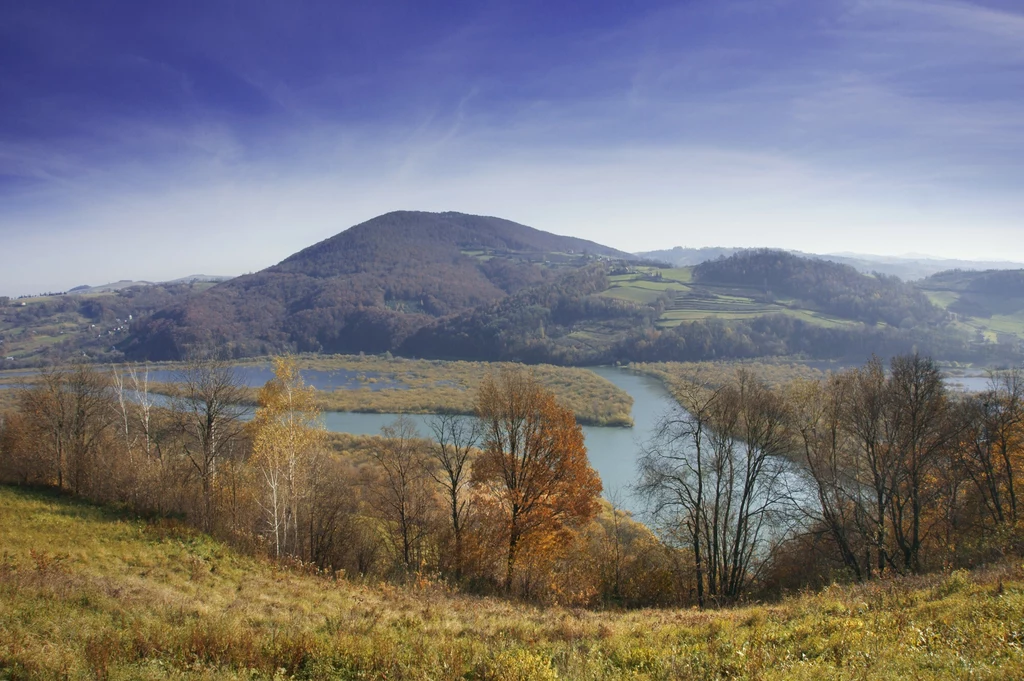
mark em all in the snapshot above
pixel 683 275
pixel 733 307
pixel 658 285
pixel 990 327
pixel 942 299
pixel 1007 323
pixel 819 318
pixel 675 317
pixel 633 294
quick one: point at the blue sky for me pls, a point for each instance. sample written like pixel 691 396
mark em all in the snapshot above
pixel 149 140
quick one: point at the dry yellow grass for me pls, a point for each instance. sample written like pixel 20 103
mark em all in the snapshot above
pixel 87 593
pixel 716 373
pixel 430 386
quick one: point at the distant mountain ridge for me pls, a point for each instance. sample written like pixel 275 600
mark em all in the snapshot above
pixel 128 283
pixel 907 268
pixel 457 286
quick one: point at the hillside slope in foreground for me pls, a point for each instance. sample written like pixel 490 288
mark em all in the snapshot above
pixel 88 593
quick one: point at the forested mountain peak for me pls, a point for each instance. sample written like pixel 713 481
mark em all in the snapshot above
pixel 366 288
pixel 449 285
pixel 399 235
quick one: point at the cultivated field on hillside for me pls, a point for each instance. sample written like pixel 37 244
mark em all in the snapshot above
pixel 686 300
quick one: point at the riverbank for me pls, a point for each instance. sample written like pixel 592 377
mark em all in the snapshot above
pixel 386 385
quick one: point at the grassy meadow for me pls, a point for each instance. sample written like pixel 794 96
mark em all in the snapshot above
pixel 88 593
pixel 993 317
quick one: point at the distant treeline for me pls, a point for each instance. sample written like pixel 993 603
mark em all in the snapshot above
pixel 420 297
pixel 825 286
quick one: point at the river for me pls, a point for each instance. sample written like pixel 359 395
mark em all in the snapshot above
pixel 612 451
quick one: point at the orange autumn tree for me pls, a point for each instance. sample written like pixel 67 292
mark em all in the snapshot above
pixel 534 468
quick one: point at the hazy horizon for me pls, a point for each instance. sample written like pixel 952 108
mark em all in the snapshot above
pixel 145 142
pixel 846 254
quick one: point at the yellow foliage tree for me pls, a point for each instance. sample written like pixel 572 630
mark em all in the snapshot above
pixel 288 438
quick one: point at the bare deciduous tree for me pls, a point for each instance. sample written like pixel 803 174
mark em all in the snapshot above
pixel 288 440
pixel 820 430
pixel 993 450
pixel 401 497
pixel 920 408
pixel 209 420
pixel 869 423
pixel 71 408
pixel 455 438
pixel 715 475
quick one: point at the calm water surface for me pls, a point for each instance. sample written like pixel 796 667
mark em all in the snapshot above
pixel 613 451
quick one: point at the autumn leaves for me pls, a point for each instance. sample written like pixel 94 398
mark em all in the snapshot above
pixel 534 471
pixel 287 443
pixel 515 479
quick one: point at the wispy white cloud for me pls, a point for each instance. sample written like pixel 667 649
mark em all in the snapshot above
pixel 630 197
pixel 881 122
pixel 960 17
pixel 857 99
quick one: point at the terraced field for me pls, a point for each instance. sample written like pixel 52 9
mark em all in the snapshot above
pixel 993 317
pixel 637 289
pixel 687 301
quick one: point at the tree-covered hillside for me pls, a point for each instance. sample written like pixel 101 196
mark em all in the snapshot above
pixel 455 286
pixel 82 326
pixel 989 304
pixel 826 286
pixel 367 288
pixel 566 322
